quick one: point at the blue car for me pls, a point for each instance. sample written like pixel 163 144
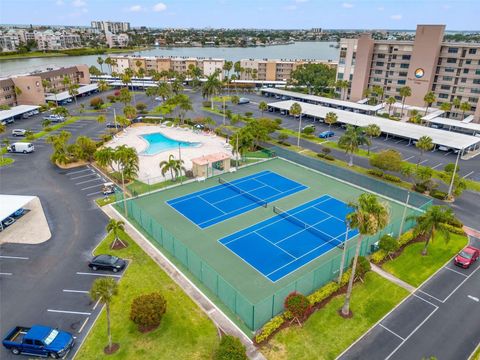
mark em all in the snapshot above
pixel 326 134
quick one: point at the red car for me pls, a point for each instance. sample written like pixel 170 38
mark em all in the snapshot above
pixel 467 257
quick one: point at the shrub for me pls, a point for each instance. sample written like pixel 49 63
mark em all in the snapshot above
pixel 437 194
pixel 248 114
pixel 405 238
pixel 96 103
pixel 147 310
pixel 378 256
pixel 112 98
pixel 269 328
pixel 323 293
pixel 44 107
pixel 456 223
pixel 230 348
pixel 454 229
pixel 375 172
pixel 326 156
pixel 392 178
pixel 387 160
pixel 420 187
pixel 363 266
pixel 449 168
pixel 388 244
pixel 308 130
pixel 282 137
pixel 141 106
pixel 278 121
pixel 297 304
pixel 326 150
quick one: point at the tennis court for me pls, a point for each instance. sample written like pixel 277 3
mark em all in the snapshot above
pixel 215 204
pixel 280 245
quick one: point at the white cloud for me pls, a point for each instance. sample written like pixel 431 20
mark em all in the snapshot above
pixel 159 7
pixel 79 3
pixel 396 17
pixel 347 5
pixel 135 8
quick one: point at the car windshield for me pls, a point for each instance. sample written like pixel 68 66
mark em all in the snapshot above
pixel 465 255
pixel 53 334
pixel 113 259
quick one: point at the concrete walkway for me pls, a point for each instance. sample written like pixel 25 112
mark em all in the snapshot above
pixel 218 317
pixel 392 278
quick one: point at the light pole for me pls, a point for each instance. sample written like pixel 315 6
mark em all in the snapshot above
pixel 223 110
pixel 404 214
pixel 450 188
pixel 299 129
pixel 180 163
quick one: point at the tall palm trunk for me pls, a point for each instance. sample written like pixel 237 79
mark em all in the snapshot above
pixel 350 162
pixel 348 295
pixel 344 254
pixel 124 195
pixel 425 248
pixel 109 332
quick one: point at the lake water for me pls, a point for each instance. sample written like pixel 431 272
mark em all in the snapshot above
pixel 298 50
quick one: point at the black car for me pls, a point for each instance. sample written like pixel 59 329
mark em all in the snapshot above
pixel 107 262
pixel 113 126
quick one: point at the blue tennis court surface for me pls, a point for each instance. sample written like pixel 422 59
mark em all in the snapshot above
pixel 213 205
pixel 282 244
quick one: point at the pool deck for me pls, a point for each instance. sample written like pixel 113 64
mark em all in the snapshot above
pixel 150 171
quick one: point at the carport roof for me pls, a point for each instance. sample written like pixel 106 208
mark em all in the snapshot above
pixel 455 123
pixel 397 128
pixel 11 203
pixel 16 110
pixel 335 102
pixel 65 95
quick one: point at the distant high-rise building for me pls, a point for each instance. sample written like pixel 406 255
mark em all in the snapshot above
pixel 316 30
pixel 111 26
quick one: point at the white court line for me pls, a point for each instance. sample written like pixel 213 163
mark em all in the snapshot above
pixel 285 251
pixel 69 312
pixel 392 332
pixel 440 164
pixel 455 271
pixel 82 176
pixel 93 274
pixel 2 273
pixel 83 325
pixel 90 187
pixel 410 157
pixel 75 291
pixel 86 181
pixel 470 173
pixel 14 257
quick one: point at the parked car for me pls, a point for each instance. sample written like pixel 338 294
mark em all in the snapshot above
pixel 20 147
pixel 26 115
pixel 19 132
pixel 158 98
pixel 8 221
pixel 108 188
pixel 39 340
pixel 54 118
pixel 444 148
pixel 19 213
pixel 467 257
pixel 326 134
pixel 107 262
pixel 243 101
pixel 8 121
pixel 113 126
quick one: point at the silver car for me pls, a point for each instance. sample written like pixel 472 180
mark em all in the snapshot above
pixel 19 132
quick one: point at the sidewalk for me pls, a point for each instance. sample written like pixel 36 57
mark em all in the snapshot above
pixel 219 318
pixel 392 278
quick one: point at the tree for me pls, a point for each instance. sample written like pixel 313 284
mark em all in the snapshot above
pixel 103 86
pixel 378 92
pixel 100 62
pixel 317 77
pixel 61 111
pixel 184 103
pixel 96 103
pixel 125 96
pixel 298 305
pixel 262 106
pixel 405 92
pixel 331 118
pixel 390 101
pixel 130 112
pixel 235 100
pixel 388 160
pixel 73 91
pixel 446 106
pixel 116 227
pixel 46 123
pixel 147 311
pixel 104 289
pixel 372 130
pixel 230 348
pixel 85 148
pixel 17 90
pixel 176 86
pixel 296 110
pixel 465 106
pixel 423 144
pixel 431 222
pixel 351 140
pixel 429 99
pixel 211 87
pixel 173 166
pixel 363 266
pixel 369 216
pixel 343 85
pixel 388 244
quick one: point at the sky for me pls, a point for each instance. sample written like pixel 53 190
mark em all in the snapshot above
pixel 272 14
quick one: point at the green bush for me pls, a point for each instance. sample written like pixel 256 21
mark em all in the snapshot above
pixel 363 266
pixel 405 238
pixel 141 106
pixel 437 194
pixel 326 156
pixel 230 348
pixel 147 310
pixel 297 304
pixel 378 256
pixel 392 178
pixel 456 222
pixel 96 103
pixel 376 172
pixel 323 293
pixel 454 229
pixel 206 104
pixel 248 114
pixel 269 328
pixel 308 130
pixel 388 243
pixel 278 121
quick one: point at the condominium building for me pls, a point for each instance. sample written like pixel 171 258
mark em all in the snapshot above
pixel 111 26
pixel 274 70
pixel 451 70
pixel 28 89
pixel 116 40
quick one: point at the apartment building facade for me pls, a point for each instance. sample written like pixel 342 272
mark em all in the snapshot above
pixel 116 40
pixel 29 89
pixel 450 70
pixel 114 27
pixel 274 70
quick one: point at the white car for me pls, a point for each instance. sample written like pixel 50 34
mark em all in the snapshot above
pixel 159 98
pixel 19 132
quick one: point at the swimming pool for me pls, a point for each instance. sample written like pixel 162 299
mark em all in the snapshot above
pixel 157 142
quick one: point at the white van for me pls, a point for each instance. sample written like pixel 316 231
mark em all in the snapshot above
pixel 21 147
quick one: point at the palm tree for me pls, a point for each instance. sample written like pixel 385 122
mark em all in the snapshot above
pixel 331 118
pixel 296 110
pixel 372 130
pixel 103 290
pixel 390 101
pixel 342 85
pixel 378 92
pixel 235 99
pixel 446 106
pixel 431 222
pixel 184 103
pixel 263 106
pixel 465 106
pixel 211 87
pixel 46 123
pixel 126 159
pixel 353 138
pixel 101 119
pixel 130 112
pixel 369 217
pixel 429 100
pixel 405 92
pixel 102 85
pixel 100 62
pixel 104 157
pixel 116 226
pixel 423 144
pixel 173 166
pixel 108 61
pixel 164 90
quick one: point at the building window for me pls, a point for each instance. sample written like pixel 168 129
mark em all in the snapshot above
pixel 475 90
pixel 445 87
pixel 449 69
pixel 463 80
pixel 379 63
pixel 460 89
pixel 476 81
pixel 477 72
pixel 378 72
pixel 404 66
pixel 468 62
pixel 377 79
pixel 340 76
pixel 402 73
pixel 381 56
pixel 472 51
pixel 452 50
pixel 451 61
pixel 406 57
pixel 392 65
pixel 472 99
pixel 401 82
pixel 447 78
pixel 465 71
pixel 350 77
pixel 443 96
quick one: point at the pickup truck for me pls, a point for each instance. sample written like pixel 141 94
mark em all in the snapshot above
pixel 39 340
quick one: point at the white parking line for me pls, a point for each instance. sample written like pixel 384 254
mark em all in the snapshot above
pixel 447 154
pixel 392 332
pixel 86 181
pixel 89 187
pixel 82 176
pixel 440 164
pixel 75 291
pixel 96 304
pixel 410 157
pixel 473 298
pixel 83 325
pixel 76 172
pixel 69 312
pixel 95 274
pixel 399 141
pixel 470 173
pixel 421 162
pixel 14 257
pixel 94 193
pixel 455 271
pixel 2 273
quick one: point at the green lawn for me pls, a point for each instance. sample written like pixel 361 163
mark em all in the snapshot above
pixel 414 268
pixel 325 335
pixel 4 161
pixel 185 332
pixel 105 200
pixel 139 187
pixel 221 98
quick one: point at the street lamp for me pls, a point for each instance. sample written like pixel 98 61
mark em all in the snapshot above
pixel 450 188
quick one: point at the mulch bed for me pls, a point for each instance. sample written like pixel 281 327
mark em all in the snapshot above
pixel 111 350
pixel 119 245
pixel 147 329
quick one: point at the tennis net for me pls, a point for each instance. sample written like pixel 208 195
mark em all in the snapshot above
pixel 259 201
pixel 293 219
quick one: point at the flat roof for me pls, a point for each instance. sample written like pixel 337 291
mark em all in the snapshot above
pixel 11 203
pixel 65 95
pixel 456 123
pixel 392 127
pixel 134 83
pixel 211 158
pixel 16 110
pixel 336 102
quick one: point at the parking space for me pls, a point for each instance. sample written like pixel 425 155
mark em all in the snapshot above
pixel 87 180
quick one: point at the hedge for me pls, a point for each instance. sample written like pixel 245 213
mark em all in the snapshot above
pixel 454 229
pixel 392 178
pixel 326 156
pixel 269 328
pixel 405 238
pixel 437 194
pixel 378 256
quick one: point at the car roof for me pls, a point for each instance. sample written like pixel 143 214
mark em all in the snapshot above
pixel 470 249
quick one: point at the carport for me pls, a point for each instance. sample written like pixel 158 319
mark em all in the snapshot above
pixel 11 203
pixel 16 111
pixel 411 132
pixel 64 95
pixel 456 126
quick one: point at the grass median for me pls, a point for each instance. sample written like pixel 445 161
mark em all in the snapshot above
pixel 184 333
pixel 326 334
pixel 414 268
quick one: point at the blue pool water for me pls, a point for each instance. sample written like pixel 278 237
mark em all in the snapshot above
pixel 157 142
